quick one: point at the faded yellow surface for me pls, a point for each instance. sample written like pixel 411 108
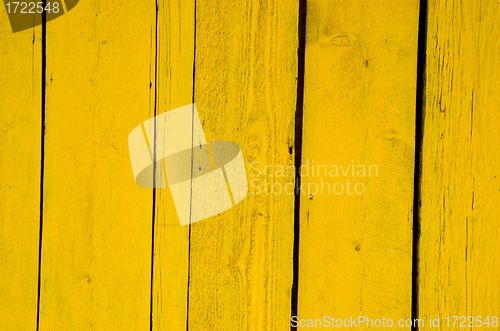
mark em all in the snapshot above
pixel 174 88
pixel 241 261
pixel 359 110
pixel 112 65
pixel 460 245
pixel 97 221
pixel 20 127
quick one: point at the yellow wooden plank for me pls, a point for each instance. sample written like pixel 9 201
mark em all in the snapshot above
pixel 359 115
pixel 245 88
pixel 459 247
pixel 174 89
pixel 97 221
pixel 20 127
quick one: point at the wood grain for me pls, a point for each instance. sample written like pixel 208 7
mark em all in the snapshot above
pixel 114 256
pixel 460 246
pixel 20 126
pixel 97 221
pixel 359 110
pixel 245 88
pixel 174 88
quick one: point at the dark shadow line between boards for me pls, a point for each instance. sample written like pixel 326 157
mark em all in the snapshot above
pixel 153 212
pixel 299 116
pixel 417 174
pixel 42 159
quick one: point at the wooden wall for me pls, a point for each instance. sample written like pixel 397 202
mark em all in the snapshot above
pixel 406 90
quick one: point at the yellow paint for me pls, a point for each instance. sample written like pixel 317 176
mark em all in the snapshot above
pixel 460 246
pixel 174 88
pixel 97 221
pixel 241 260
pixel 360 81
pixel 20 119
pixel 110 66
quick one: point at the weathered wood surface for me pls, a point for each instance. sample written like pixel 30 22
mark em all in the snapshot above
pixel 359 113
pixel 96 250
pixel 460 245
pixel 20 132
pixel 113 254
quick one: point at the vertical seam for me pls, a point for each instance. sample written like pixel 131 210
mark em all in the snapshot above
pixel 299 116
pixel 419 128
pixel 153 217
pixel 192 161
pixel 42 161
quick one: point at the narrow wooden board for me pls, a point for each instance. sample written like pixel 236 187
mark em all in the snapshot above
pixel 359 114
pixel 174 88
pixel 20 132
pixel 97 222
pixel 245 89
pixel 460 246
